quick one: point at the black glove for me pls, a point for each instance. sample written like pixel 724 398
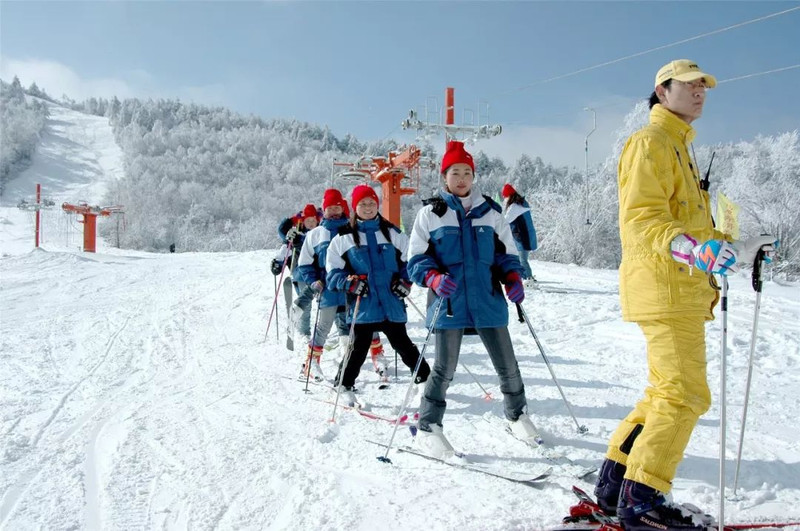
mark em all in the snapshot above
pixel 358 286
pixel 276 267
pixel 401 287
pixel 292 234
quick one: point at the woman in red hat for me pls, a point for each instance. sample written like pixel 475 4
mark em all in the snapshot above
pixel 462 249
pixel 292 231
pixel 518 215
pixel 366 260
pixel 311 271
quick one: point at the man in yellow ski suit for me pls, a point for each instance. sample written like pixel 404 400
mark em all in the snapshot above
pixel 663 210
pixel 670 249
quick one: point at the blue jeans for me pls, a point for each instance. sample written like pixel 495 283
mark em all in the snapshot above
pixel 327 316
pixel 448 345
pixel 305 295
pixel 526 266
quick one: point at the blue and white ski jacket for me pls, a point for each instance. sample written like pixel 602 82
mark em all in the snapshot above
pixel 476 249
pixel 312 260
pixel 519 217
pixel 375 251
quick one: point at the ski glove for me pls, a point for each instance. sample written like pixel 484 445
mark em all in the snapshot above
pixel 276 267
pixel 357 285
pixel 714 256
pixel 318 286
pixel 514 289
pixel 292 234
pixel 441 283
pixel 748 248
pixel 401 287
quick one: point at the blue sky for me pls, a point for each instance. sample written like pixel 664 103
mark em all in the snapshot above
pixel 359 67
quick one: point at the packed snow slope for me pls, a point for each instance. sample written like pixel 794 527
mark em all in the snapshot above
pixel 138 391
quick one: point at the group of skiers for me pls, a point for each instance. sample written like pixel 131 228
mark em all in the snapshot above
pixel 472 255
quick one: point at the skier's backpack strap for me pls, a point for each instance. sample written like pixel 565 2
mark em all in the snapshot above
pixel 492 203
pixel 439 205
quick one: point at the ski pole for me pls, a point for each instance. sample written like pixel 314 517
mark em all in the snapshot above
pixel 523 317
pixel 346 360
pixel 486 394
pixel 280 283
pixel 722 411
pixel 311 346
pixel 277 317
pixel 757 284
pixel 385 457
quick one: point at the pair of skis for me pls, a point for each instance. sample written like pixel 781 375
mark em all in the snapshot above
pixel 586 515
pixel 520 478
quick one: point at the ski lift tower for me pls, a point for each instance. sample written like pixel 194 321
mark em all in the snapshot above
pixel 390 171
pixel 451 131
pixel 90 214
pixel 38 206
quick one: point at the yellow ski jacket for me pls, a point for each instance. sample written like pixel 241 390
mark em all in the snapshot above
pixel 659 199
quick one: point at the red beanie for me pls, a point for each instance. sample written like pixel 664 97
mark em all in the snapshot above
pixel 331 197
pixel 309 211
pixel 454 154
pixel 508 191
pixel 363 191
pixel 345 208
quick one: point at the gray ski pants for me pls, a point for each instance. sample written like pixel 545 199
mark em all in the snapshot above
pixel 448 345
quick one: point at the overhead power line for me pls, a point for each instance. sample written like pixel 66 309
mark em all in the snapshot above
pixel 758 74
pixel 629 101
pixel 682 41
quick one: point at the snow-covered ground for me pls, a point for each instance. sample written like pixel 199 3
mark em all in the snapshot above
pixel 137 391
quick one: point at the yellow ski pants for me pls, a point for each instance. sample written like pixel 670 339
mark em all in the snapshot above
pixel 676 397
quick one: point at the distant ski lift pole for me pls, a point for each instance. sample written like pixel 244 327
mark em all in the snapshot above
pixel 90 214
pixel 38 206
pixel 399 173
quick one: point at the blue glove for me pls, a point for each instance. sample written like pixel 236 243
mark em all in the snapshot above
pixel 514 289
pixel 715 256
pixel 318 286
pixel 441 283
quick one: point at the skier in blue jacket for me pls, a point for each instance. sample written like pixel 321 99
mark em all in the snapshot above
pixel 462 249
pixel 367 259
pixel 518 216
pixel 293 230
pixel 311 271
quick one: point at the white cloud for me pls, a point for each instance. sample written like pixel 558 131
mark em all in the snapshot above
pixel 58 79
pixel 563 145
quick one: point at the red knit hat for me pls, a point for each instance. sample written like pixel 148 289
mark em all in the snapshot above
pixel 363 191
pixel 331 197
pixel 309 211
pixel 454 154
pixel 508 191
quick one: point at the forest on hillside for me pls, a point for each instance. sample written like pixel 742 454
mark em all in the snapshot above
pixel 209 179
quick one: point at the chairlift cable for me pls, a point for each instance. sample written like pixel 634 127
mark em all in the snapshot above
pixel 638 54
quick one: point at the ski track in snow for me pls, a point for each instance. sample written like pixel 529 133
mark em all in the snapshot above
pixel 137 391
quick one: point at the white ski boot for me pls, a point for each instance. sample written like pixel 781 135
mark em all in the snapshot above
pixel 434 443
pixel 524 430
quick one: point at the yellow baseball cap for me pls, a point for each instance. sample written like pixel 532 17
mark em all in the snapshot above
pixel 683 70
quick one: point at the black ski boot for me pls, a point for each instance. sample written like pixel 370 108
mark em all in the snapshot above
pixel 609 481
pixel 642 508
